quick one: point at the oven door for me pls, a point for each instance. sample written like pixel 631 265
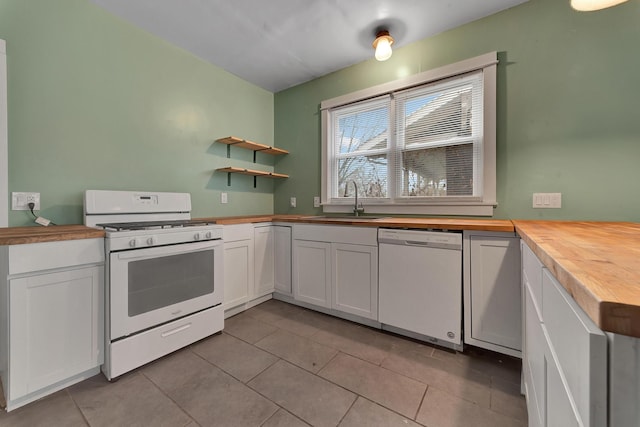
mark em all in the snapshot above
pixel 151 286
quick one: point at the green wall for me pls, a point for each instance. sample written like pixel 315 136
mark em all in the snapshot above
pixel 568 108
pixel 95 103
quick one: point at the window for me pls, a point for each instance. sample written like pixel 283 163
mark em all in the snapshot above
pixel 425 144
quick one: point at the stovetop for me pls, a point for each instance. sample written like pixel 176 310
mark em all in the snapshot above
pixel 153 225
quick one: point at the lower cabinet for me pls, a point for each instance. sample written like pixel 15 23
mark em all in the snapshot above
pixel 312 272
pixel 336 275
pixel 238 264
pixel 564 355
pixel 56 327
pixel 263 260
pixel 257 262
pixel 492 291
pixel 51 317
pixel 354 285
pixel 282 251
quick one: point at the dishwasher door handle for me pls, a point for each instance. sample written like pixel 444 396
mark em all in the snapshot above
pixel 429 245
pixel 416 243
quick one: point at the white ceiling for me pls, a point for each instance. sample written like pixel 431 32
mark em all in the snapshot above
pixel 277 44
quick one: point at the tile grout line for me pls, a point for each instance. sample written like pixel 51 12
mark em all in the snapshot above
pixel 340 351
pixel 169 397
pixel 284 409
pixel 424 396
pixel 349 409
pixel 364 397
pixel 77 406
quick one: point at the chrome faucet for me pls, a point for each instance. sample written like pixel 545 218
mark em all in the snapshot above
pixel 357 210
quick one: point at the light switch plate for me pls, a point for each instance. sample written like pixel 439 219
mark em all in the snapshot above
pixel 20 201
pixel 547 200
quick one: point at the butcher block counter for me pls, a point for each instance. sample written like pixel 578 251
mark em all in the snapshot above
pixel 367 221
pixel 53 233
pixel 598 263
pixel 248 219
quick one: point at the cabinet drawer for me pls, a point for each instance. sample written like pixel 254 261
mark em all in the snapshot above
pixel 150 345
pixel 236 232
pixel 581 351
pixel 52 255
pixel 533 363
pixel 532 276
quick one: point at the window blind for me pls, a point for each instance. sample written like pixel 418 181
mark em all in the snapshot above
pixel 361 147
pixel 438 144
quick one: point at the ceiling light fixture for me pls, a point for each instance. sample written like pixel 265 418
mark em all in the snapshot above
pixel 590 5
pixel 382 45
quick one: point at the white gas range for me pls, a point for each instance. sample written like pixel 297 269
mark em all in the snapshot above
pixel 164 275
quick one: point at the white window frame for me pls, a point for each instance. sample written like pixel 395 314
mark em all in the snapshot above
pixel 4 139
pixel 484 206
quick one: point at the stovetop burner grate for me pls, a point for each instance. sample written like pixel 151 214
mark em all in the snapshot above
pixel 152 225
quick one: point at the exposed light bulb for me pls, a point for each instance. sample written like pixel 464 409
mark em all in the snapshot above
pixel 591 5
pixel 383 50
pixel 382 45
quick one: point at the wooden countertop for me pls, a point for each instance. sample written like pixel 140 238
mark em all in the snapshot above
pixel 436 223
pixel 598 263
pixel 52 233
pixel 248 219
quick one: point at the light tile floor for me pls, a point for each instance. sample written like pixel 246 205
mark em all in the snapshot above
pixel 281 365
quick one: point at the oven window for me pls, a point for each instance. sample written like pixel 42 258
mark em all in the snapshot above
pixel 160 282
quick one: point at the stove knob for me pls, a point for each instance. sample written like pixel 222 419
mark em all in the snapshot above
pixel 133 243
pixel 151 241
pixel 208 235
pixel 196 236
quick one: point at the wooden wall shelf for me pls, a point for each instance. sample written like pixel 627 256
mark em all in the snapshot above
pixel 250 145
pixel 255 147
pixel 252 172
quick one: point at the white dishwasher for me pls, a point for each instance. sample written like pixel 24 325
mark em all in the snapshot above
pixel 420 284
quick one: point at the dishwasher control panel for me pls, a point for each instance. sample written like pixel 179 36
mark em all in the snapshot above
pixel 439 239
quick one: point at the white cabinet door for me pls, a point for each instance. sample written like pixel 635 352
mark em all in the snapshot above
pixel 56 327
pixel 264 263
pixel 282 251
pixel 312 272
pixel 355 279
pixel 495 291
pixel 238 272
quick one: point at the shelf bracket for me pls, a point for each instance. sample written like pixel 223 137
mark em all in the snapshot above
pixel 255 180
pixel 228 151
pixel 228 179
pixel 256 151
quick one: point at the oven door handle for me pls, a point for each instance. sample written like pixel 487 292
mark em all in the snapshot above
pixel 183 248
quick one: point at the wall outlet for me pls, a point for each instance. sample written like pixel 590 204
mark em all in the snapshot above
pixel 547 200
pixel 223 198
pixel 293 202
pixel 20 201
pixel 316 202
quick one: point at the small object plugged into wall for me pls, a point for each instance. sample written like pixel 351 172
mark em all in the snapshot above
pixel 591 5
pixel 382 45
